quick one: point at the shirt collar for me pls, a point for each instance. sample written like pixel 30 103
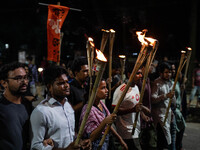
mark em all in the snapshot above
pixel 54 101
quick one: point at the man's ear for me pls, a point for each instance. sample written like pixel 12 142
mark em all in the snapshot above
pixel 4 83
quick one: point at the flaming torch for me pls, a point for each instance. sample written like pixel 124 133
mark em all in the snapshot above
pixel 140 59
pixel 91 53
pixel 112 38
pixel 181 64
pixel 189 52
pixel 104 39
pixel 154 45
pixel 122 61
pixel 100 68
pixel 88 47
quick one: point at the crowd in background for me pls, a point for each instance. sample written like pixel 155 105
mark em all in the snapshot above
pixel 55 121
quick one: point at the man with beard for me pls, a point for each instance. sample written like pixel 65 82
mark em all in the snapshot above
pixel 53 118
pixel 13 114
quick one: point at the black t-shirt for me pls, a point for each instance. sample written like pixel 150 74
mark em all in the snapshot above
pixel 12 119
pixel 77 95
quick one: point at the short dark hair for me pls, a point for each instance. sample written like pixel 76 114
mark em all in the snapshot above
pixel 9 67
pixel 77 63
pixel 129 67
pixel 162 66
pixel 53 72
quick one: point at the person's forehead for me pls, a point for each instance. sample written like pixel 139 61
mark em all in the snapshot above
pixel 83 67
pixel 17 71
pixel 102 83
pixel 62 77
pixel 166 70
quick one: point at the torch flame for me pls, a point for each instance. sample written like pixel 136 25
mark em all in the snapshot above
pixel 104 30
pixel 122 56
pixel 90 39
pixel 151 40
pixel 112 31
pixel 189 48
pixel 141 38
pixel 92 44
pixel 183 52
pixel 100 56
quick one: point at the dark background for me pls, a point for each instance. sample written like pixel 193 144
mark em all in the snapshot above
pixel 174 23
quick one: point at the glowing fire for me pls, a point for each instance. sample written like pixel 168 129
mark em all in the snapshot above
pixel 122 56
pixel 151 40
pixel 183 52
pixel 100 56
pixel 104 30
pixel 90 39
pixel 189 48
pixel 141 38
pixel 92 44
pixel 111 30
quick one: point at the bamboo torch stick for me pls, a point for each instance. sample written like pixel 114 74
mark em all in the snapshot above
pixel 91 65
pixel 189 52
pixel 138 63
pixel 112 38
pixel 92 58
pixel 102 64
pixel 104 39
pixel 147 66
pixel 122 61
pixel 187 64
pixel 90 46
pixel 174 85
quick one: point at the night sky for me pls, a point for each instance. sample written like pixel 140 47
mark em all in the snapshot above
pixel 23 26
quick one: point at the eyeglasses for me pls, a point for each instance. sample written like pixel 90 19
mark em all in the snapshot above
pixel 20 78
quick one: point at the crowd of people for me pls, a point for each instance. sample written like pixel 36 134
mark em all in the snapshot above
pixel 55 121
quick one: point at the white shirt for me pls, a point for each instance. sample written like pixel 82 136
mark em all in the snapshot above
pixel 124 123
pixel 160 103
pixel 52 120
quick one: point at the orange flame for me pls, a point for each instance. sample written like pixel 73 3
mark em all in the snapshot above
pixel 183 52
pixel 112 31
pixel 151 40
pixel 122 56
pixel 100 56
pixel 189 48
pixel 141 38
pixel 92 44
pixel 90 39
pixel 105 30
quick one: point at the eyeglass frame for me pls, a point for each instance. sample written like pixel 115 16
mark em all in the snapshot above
pixel 20 78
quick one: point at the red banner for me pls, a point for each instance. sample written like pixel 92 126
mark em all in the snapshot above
pixel 56 17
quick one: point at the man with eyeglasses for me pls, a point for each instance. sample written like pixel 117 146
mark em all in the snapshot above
pixel 13 114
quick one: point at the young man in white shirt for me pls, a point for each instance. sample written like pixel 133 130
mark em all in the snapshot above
pixel 53 118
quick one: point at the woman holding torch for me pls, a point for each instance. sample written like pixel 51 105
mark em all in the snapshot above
pixel 98 119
